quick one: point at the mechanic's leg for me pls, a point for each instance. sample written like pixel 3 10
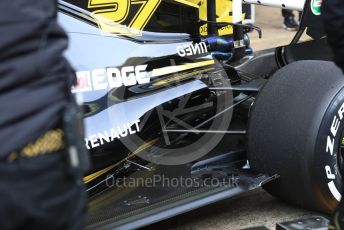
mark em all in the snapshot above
pixel 289 22
pixel 287 13
pixel 37 193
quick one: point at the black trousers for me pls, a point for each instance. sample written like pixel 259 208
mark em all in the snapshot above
pixel 37 193
pixel 289 13
pixel 332 13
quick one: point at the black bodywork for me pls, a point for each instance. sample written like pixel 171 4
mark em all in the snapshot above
pixel 200 108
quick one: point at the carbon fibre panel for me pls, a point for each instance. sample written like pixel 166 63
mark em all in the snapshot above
pixel 136 206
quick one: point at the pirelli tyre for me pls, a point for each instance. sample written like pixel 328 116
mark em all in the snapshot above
pixel 296 130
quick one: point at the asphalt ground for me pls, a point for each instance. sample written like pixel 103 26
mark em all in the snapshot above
pixel 255 208
pixel 252 209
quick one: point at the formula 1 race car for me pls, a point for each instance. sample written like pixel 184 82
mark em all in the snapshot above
pixel 179 112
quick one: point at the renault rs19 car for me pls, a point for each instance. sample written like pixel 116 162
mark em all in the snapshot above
pixel 179 112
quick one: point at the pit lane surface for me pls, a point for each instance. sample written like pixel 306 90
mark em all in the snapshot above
pixel 257 207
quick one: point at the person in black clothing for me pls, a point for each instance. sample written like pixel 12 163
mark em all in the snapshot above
pixel 332 12
pixel 289 22
pixel 36 189
pixel 333 17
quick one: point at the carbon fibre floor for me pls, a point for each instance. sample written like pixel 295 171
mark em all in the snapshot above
pixel 129 207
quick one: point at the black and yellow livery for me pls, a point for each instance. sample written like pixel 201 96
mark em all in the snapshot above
pixel 131 17
pixel 165 98
pixel 132 14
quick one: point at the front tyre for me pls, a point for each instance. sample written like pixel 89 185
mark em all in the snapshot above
pixel 296 130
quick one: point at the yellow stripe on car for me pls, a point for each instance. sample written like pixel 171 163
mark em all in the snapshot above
pixel 178 68
pixel 185 2
pixel 180 77
pixel 95 175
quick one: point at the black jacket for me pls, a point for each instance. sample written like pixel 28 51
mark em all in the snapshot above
pixel 33 72
pixel 333 16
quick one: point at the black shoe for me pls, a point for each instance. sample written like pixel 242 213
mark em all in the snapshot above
pixel 290 24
